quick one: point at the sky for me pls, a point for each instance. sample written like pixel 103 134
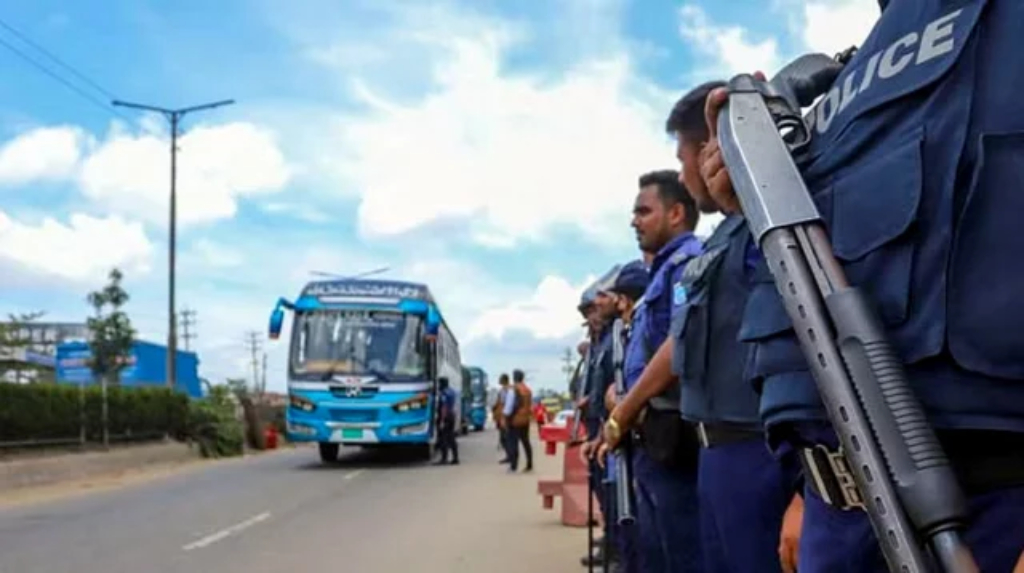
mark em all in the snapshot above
pixel 489 149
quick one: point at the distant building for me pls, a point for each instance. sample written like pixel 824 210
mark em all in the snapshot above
pixel 147 366
pixel 30 351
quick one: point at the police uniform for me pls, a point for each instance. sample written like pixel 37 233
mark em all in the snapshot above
pixel 631 281
pixel 447 440
pixel 743 490
pixel 915 165
pixel 600 376
pixel 668 527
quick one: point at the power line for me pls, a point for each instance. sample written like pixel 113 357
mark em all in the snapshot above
pixel 57 60
pixel 97 102
pixel 188 319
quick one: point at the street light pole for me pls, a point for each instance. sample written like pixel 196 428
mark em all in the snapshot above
pixel 174 116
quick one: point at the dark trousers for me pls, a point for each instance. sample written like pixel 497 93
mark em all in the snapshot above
pixel 668 522
pixel 503 441
pixel 516 436
pixel 446 439
pixel 743 494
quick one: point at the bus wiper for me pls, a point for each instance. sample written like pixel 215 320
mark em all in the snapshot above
pixel 361 363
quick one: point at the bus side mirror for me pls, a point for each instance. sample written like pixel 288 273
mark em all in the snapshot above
pixel 276 320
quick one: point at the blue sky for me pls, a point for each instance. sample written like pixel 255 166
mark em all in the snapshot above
pixel 490 149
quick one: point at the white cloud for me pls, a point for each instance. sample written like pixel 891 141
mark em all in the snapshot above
pixel 217 165
pixel 831 26
pixel 514 155
pixel 549 313
pixel 84 249
pixel 730 49
pixel 49 153
pixel 214 254
pixel 828 26
pixel 129 173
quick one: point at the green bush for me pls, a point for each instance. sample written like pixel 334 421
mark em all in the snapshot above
pixel 212 425
pixel 52 412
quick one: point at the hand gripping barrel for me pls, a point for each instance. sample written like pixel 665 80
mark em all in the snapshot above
pixel 904 477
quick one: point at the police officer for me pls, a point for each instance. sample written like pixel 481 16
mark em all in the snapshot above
pixel 744 491
pixel 915 164
pixel 664 217
pixel 629 287
pixel 600 375
pixel 446 429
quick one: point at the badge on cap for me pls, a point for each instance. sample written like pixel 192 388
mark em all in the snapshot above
pixel 678 295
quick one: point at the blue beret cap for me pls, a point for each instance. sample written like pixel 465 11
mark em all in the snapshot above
pixel 605 283
pixel 632 280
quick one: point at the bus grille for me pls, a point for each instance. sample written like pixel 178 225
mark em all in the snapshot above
pixel 354 416
pixel 363 392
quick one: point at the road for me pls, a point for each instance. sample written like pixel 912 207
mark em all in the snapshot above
pixel 285 512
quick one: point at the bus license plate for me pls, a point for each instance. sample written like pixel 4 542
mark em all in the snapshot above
pixel 351 433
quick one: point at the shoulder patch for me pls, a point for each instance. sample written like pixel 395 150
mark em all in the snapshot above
pixel 678 294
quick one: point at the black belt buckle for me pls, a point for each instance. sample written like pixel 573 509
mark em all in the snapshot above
pixel 829 475
pixel 710 436
pixel 702 435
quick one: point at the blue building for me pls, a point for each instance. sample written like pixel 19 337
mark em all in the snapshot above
pixel 147 366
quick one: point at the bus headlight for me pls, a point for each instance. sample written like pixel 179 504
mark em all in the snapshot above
pixel 304 404
pixel 417 402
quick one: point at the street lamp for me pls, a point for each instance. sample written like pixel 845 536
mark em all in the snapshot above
pixel 174 116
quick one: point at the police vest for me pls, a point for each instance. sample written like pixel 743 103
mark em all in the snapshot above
pixel 600 374
pixel 915 166
pixel 706 355
pixel 656 291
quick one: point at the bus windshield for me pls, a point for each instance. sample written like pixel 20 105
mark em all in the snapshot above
pixel 357 342
pixel 478 385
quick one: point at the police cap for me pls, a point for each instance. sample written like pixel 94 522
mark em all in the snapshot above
pixel 587 299
pixel 632 280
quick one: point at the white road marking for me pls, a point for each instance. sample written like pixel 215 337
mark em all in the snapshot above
pixel 352 475
pixel 226 532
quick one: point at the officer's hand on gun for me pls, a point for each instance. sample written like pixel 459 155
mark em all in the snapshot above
pixel 713 169
pixel 590 449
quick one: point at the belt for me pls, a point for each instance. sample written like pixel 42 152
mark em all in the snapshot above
pixel 828 475
pixel 722 434
pixel 983 461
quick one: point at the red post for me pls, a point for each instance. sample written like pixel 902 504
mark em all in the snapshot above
pixel 572 488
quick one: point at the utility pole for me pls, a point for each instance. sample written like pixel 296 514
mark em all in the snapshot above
pixel 263 380
pixel 188 319
pixel 174 116
pixel 567 364
pixel 253 341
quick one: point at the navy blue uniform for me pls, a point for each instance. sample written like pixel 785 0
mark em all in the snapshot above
pixel 743 490
pixel 668 525
pixel 916 167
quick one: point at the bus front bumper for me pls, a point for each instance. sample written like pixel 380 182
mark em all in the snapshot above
pixel 398 432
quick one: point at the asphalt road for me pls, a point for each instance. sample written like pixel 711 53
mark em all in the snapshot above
pixel 287 512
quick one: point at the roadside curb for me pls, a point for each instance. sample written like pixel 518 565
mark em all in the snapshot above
pixel 111 478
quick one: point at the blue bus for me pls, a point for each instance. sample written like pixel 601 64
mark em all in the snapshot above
pixel 363 364
pixel 476 401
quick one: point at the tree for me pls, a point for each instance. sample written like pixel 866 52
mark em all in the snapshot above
pixel 112 336
pixel 14 337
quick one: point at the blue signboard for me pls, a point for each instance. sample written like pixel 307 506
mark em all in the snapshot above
pixel 146 366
